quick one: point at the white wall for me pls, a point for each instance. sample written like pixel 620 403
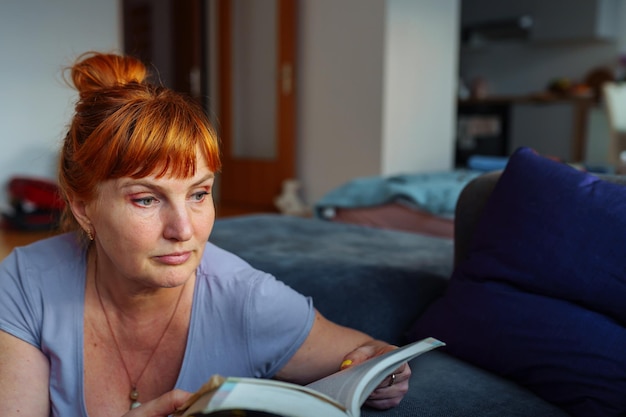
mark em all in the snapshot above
pixel 339 91
pixel 38 38
pixel 375 89
pixel 420 72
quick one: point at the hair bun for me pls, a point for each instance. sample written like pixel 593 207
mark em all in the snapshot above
pixel 94 71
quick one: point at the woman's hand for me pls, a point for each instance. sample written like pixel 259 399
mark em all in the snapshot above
pixel 393 388
pixel 162 406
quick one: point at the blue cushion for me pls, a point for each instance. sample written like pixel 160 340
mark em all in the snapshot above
pixel 542 296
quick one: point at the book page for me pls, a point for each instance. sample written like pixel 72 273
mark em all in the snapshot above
pixel 268 396
pixel 353 385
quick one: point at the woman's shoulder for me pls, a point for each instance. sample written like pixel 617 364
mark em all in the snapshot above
pixel 216 259
pixel 220 265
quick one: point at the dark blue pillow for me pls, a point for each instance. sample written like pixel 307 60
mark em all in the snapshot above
pixel 542 296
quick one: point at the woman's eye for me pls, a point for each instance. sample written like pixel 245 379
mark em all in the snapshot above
pixel 145 201
pixel 200 196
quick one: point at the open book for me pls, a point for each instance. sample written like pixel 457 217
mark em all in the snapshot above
pixel 338 395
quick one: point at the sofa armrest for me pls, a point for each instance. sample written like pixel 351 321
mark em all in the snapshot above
pixel 468 210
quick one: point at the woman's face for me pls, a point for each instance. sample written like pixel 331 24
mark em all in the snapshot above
pixel 153 230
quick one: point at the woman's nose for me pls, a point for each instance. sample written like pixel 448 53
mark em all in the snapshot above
pixel 178 224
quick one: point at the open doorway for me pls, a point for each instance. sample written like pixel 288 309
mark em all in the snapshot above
pixel 170 36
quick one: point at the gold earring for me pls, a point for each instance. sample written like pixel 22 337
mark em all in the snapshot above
pixel 89 234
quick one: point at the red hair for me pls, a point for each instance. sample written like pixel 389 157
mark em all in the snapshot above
pixel 124 126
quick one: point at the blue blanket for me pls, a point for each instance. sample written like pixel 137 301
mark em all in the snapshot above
pixel 435 193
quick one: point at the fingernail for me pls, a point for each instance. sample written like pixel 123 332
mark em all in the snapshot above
pixel 345 363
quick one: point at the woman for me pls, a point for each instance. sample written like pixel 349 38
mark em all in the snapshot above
pixel 141 311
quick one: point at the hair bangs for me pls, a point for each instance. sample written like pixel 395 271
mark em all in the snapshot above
pixel 166 142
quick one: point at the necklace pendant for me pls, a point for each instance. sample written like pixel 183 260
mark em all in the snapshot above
pixel 134 395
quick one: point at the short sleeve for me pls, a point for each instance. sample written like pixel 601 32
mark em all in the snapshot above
pixel 20 313
pixel 278 320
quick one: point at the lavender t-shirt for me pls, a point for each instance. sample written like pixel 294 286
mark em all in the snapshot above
pixel 244 322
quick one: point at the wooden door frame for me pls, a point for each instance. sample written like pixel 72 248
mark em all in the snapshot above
pixel 249 184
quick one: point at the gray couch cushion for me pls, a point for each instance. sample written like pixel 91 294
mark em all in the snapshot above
pixel 378 281
pixel 443 386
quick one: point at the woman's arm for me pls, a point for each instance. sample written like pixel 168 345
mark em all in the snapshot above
pixel 322 352
pixel 24 379
pixel 329 346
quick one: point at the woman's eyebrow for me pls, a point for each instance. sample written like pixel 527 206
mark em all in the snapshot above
pixel 140 182
pixel 207 177
pixel 155 186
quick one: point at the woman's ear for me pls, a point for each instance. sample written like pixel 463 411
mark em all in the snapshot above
pixel 80 212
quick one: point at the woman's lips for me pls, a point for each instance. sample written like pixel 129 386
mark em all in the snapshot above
pixel 177 258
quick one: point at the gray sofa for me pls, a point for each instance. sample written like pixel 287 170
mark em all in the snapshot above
pixel 381 281
pixel 528 296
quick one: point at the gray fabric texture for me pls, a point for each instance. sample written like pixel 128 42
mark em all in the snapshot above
pixel 374 280
pixel 443 386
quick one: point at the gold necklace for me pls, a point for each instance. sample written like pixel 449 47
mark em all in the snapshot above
pixel 134 394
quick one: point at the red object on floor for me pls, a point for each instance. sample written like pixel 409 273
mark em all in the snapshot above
pixel 42 193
